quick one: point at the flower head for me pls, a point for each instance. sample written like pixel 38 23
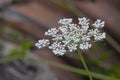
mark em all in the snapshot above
pixel 70 36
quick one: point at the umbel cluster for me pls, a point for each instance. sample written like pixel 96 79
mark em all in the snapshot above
pixel 70 36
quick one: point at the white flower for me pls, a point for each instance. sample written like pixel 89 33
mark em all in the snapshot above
pixel 99 23
pixel 73 27
pixel 65 21
pixel 85 45
pixel 57 37
pixel 59 51
pixel 69 36
pixel 63 29
pixel 72 47
pixel 99 36
pixel 42 43
pixel 51 32
pixel 83 21
pixel 57 48
pixel 85 38
pixel 93 32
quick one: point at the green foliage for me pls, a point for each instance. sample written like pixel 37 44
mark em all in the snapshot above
pixel 79 71
pixel 25 47
pixel 115 71
pixel 17 53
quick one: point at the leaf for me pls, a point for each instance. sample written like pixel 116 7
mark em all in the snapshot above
pixel 25 47
pixel 14 54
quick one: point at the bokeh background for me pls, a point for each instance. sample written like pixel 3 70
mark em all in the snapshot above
pixel 23 23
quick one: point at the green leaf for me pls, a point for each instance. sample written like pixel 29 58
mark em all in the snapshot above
pixel 25 47
pixel 14 54
pixel 17 53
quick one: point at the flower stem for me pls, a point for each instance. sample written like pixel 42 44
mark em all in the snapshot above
pixel 62 66
pixel 70 68
pixel 84 64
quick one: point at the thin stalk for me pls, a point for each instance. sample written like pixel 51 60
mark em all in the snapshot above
pixel 84 64
pixel 62 66
pixel 113 43
pixel 70 68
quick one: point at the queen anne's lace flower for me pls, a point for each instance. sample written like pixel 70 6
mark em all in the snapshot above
pixel 65 21
pixel 42 43
pixel 99 23
pixel 83 21
pixel 99 36
pixel 58 48
pixel 72 47
pixel 85 45
pixel 51 32
pixel 70 36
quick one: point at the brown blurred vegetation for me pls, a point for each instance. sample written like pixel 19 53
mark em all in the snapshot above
pixel 32 18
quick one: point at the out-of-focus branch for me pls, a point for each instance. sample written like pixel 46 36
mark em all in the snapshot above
pixel 113 43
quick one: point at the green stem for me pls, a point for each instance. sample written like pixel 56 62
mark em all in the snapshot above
pixel 84 64
pixel 62 66
pixel 72 69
